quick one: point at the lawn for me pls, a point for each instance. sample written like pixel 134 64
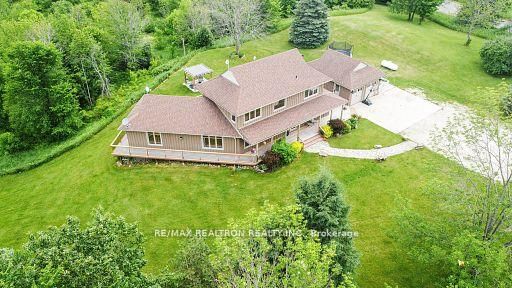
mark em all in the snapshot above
pixel 430 56
pixel 366 136
pixel 176 196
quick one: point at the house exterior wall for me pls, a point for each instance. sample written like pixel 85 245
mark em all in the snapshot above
pixel 268 110
pixel 186 142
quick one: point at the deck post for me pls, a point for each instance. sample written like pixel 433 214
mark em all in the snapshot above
pixel 298 132
pixel 257 148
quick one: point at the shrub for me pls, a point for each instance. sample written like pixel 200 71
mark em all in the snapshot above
pixel 202 38
pixel 497 56
pixel 506 103
pixel 327 131
pixel 360 3
pixel 337 126
pixel 284 150
pixel 271 160
pixel 353 122
pixel 7 143
pixel 297 146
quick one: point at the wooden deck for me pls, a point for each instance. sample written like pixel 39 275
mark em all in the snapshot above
pixel 122 149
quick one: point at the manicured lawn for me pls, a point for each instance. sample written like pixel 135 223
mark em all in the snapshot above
pixel 176 196
pixel 430 56
pixel 366 136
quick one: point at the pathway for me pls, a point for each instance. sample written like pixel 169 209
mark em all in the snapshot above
pixel 324 149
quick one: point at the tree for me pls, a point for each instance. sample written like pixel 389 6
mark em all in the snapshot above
pixel 287 7
pixel 320 199
pixel 310 27
pixel 39 100
pixel 423 8
pixel 496 56
pixel 191 265
pixel 238 19
pixel 506 102
pixel 278 251
pixel 107 252
pixel 122 25
pixel 480 13
pixel 4 125
pixel 271 11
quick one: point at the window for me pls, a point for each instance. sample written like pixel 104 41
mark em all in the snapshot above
pixel 311 92
pixel 212 142
pixel 246 145
pixel 252 115
pixel 154 138
pixel 233 118
pixel 280 104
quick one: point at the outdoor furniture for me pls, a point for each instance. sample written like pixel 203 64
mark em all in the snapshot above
pixel 195 75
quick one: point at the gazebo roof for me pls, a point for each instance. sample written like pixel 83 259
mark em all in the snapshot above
pixel 197 70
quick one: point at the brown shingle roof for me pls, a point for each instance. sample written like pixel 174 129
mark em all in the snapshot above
pixel 255 84
pixel 279 123
pixel 178 115
pixel 346 71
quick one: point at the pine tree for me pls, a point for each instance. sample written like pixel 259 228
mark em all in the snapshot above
pixel 310 27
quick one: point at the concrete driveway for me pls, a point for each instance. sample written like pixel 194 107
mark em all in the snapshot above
pixel 404 113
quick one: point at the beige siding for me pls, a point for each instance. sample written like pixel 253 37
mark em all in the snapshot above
pixel 329 86
pixel 268 110
pixel 181 142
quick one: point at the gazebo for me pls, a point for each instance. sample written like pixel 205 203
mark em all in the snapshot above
pixel 196 75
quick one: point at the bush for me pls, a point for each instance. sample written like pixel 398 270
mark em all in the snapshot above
pixel 360 3
pixel 336 126
pixel 297 146
pixel 7 143
pixel 327 131
pixel 271 160
pixel 285 151
pixel 202 38
pixel 497 56
pixel 506 103
pixel 353 122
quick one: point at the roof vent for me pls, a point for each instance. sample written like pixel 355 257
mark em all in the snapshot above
pixel 126 122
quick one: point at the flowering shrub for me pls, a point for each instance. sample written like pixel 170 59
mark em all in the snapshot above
pixel 326 131
pixel 297 146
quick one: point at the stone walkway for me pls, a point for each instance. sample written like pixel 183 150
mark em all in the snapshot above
pixel 324 149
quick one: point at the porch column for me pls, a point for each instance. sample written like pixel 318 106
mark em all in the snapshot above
pixel 257 149
pixel 298 132
pixel 342 108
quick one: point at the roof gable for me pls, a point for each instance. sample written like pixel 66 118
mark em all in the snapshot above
pixel 346 71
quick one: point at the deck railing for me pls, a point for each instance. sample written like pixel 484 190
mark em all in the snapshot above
pixel 181 155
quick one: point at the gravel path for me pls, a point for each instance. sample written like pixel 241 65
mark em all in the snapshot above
pixel 449 7
pixel 324 149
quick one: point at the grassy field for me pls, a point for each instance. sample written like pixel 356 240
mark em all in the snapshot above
pixel 177 196
pixel 430 56
pixel 366 136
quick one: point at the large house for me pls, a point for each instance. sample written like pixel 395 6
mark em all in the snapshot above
pixel 242 112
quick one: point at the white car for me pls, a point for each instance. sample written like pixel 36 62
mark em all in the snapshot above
pixel 389 65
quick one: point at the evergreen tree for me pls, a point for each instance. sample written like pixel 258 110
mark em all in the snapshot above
pixel 39 100
pixel 324 209
pixel 310 28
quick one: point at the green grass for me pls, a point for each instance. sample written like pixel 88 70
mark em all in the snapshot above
pixel 175 196
pixel 430 56
pixel 366 136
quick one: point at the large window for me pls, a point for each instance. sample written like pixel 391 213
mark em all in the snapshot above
pixel 280 104
pixel 154 138
pixel 311 92
pixel 252 115
pixel 212 142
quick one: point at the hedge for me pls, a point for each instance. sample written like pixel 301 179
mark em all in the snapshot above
pixel 27 160
pixel 449 22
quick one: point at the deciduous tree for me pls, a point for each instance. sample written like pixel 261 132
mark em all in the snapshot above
pixel 39 99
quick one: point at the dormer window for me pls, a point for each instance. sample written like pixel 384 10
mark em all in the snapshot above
pixel 280 104
pixel 252 115
pixel 311 92
pixel 233 118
